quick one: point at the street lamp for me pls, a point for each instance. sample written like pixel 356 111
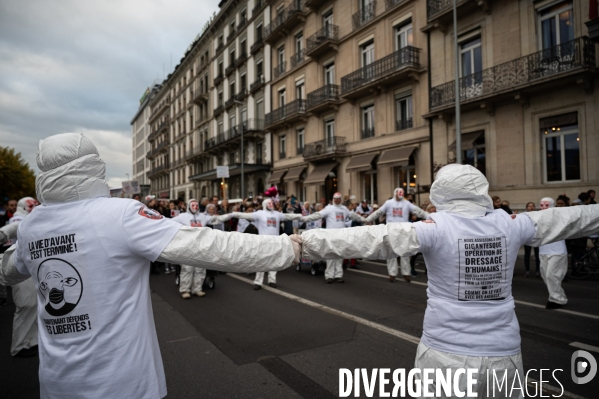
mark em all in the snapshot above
pixel 242 154
pixel 127 176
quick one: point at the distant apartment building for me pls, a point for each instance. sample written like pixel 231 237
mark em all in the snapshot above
pixel 140 131
pixel 358 96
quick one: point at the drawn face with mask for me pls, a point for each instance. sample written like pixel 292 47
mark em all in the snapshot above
pixel 337 198
pixel 547 203
pixel 398 194
pixel 194 207
pixel 268 205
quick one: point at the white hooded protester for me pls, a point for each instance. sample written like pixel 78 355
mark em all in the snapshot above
pixel 88 256
pixel 268 222
pixel 25 329
pixel 554 265
pixel 397 210
pixel 192 278
pixel 470 251
pixel 335 216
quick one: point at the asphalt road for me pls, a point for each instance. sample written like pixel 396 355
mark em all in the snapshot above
pixel 291 341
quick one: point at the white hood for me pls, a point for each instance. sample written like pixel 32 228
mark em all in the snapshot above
pixel 461 189
pixel 71 170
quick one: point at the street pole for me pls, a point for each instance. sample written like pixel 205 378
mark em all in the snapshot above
pixel 458 127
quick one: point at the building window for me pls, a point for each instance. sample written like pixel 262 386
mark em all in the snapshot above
pixel 231 158
pixel 327 18
pixel 282 97
pixel 561 141
pixel 329 133
pixel 282 147
pixel 232 89
pixel 471 66
pixel 220 67
pixel 476 156
pixel 557 24
pixel 259 32
pixel 369 186
pixel 367 115
pixel 281 55
pixel 367 53
pixel 406 176
pixel 403 105
pixel 220 98
pixel 259 152
pixel 329 74
pixel 232 57
pixel 403 35
pixel 299 39
pixel 243 84
pixel 300 90
pixel 259 70
pixel 220 127
pixel 300 141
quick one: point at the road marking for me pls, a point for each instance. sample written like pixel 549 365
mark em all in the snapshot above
pixel 181 340
pixel 587 347
pixel 376 326
pixel 359 320
pixel 536 305
pixel 385 277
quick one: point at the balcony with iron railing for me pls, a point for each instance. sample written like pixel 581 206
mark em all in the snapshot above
pixel 257 84
pixel 389 4
pixel 325 98
pixel 241 59
pixel 242 23
pixel 250 128
pixel 567 63
pixel 404 124
pixel 218 79
pixel 393 68
pixel 259 5
pixel 258 44
pixel 364 15
pixel 279 69
pixel 219 110
pixel 161 128
pixel 200 97
pixel 367 132
pixel 193 153
pixel 323 41
pixel 219 47
pixel 286 19
pixel 159 109
pixel 230 69
pixel 230 102
pixel 287 114
pixel 300 150
pixel 161 169
pixel 243 93
pixel 282 154
pixel 231 35
pixel 326 148
pixel 440 12
pixel 298 58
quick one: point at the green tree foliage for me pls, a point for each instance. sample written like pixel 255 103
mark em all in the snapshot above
pixel 17 179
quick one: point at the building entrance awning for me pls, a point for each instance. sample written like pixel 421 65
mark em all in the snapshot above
pixel 320 173
pixel 396 157
pixel 294 174
pixel 468 140
pixel 361 163
pixel 276 176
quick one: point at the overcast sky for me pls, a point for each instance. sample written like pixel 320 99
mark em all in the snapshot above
pixel 82 66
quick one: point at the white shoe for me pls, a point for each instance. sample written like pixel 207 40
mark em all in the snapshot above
pixel 185 295
pixel 200 293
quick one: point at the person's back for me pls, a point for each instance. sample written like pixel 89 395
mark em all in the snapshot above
pixel 95 287
pixel 470 263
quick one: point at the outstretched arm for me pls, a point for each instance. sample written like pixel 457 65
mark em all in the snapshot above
pixel 356 217
pixel 419 212
pixel 558 224
pixel 223 218
pixel 217 250
pixel 8 232
pixel 311 218
pixel 375 215
pixel 241 215
pixel 292 216
pixel 369 242
pixel 9 275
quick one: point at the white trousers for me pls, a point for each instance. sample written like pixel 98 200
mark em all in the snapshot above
pixel 191 279
pixel 405 266
pixel 272 278
pixel 553 271
pixel 24 326
pixel 334 269
pixel 493 367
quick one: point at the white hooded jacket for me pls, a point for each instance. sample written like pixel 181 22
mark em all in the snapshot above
pixel 470 251
pixel 88 255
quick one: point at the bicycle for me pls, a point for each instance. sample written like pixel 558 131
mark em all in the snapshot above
pixel 588 264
